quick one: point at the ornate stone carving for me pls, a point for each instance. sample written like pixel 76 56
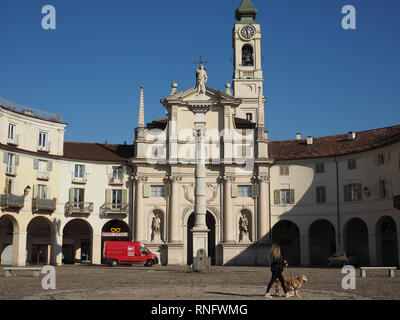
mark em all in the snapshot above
pixel 201 79
pixel 264 178
pixel 244 228
pixel 188 192
pixel 214 190
pixel 229 178
pixel 140 178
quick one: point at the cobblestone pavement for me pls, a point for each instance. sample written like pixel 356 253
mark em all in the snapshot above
pixel 179 283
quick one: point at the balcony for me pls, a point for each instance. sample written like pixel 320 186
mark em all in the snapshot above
pixel 116 208
pixel 78 207
pixel 43 205
pixel 11 170
pixel 80 178
pixel 10 201
pixel 43 175
pixel 45 148
pixel 115 180
pixel 13 140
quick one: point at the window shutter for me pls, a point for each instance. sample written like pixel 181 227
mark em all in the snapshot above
pixel 49 165
pixel 72 167
pixel 35 163
pixel 5 157
pixel 277 196
pixel 255 190
pixel 108 196
pixel 87 168
pixel 167 190
pixel 109 170
pixel 389 187
pixel 124 197
pixel 234 191
pixel 376 160
pixel 35 190
pixel 376 190
pixel 146 191
pixel 6 191
pixel 386 157
pixel 292 198
pixel 347 192
pixel 71 195
pixel 49 195
pixel 17 160
pixel 14 188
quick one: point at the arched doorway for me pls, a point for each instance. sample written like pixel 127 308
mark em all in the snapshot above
pixel 6 239
pixel 322 242
pixel 287 235
pixel 386 242
pixel 39 241
pixel 356 240
pixel 77 242
pixel 114 230
pixel 210 221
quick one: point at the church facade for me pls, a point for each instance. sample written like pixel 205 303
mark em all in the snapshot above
pixel 61 200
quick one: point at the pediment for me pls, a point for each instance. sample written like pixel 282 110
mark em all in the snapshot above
pixel 191 97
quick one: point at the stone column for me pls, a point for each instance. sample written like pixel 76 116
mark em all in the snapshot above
pixel 57 248
pixel 200 230
pixel 304 248
pixel 96 249
pixel 229 220
pixel 139 210
pixel 19 249
pixel 174 213
pixel 372 249
pixel 263 209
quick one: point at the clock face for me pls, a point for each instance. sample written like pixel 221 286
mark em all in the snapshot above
pixel 247 32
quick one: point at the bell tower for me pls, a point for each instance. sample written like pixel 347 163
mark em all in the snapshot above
pixel 248 76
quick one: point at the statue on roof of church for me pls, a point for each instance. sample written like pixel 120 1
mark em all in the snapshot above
pixel 201 76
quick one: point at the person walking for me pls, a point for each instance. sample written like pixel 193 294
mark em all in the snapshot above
pixel 277 266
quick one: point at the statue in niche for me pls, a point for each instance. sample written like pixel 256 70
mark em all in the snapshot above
pixel 156 223
pixel 244 228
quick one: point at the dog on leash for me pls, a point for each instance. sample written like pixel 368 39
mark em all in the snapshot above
pixel 292 284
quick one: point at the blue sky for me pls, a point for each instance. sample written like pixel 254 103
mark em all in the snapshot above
pixel 319 79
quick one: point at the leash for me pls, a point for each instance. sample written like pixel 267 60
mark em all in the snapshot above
pixel 290 274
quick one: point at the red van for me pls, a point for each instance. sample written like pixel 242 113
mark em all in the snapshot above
pixel 127 252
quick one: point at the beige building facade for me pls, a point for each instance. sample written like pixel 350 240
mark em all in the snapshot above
pixel 59 201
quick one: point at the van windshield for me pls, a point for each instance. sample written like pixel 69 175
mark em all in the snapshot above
pixel 144 250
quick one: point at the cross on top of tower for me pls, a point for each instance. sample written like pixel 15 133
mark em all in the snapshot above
pixel 200 62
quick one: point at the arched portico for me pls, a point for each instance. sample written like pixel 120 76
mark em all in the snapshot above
pixel 287 234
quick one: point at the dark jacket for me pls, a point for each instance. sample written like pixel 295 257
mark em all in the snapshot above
pixel 277 265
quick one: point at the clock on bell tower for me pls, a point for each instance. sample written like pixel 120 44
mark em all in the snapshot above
pixel 247 77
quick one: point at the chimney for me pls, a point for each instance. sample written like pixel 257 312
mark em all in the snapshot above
pixel 310 140
pixel 352 135
pixel 298 136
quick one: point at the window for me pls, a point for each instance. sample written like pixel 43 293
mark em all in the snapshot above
pixel 41 191
pixel 384 188
pixel 244 191
pixel 79 195
pixel 117 174
pixel 353 192
pixel 382 158
pixel 351 164
pixel 249 116
pixel 320 167
pixel 321 194
pixel 79 173
pixel 12 134
pixel 247 56
pixel 284 170
pixel 10 159
pixel 43 143
pixel 42 169
pixel 284 196
pixel 116 199
pixel 157 191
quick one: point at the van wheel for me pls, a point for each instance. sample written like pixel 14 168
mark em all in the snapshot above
pixel 114 263
pixel 149 263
